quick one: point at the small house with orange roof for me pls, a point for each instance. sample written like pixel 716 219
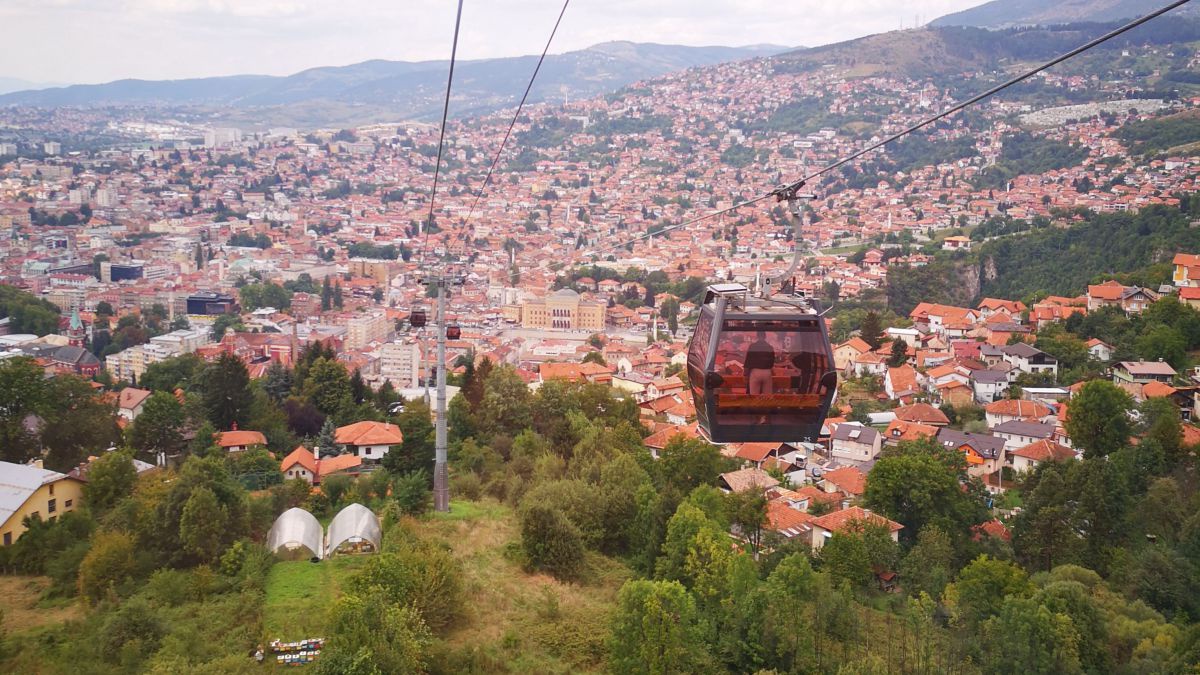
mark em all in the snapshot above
pixel 849 520
pixel 985 454
pixel 240 441
pixel 130 402
pixel 1100 350
pixel 1027 457
pixel 1187 270
pixel 922 413
pixel 900 383
pixel 787 521
pixel 310 467
pixel 845 354
pixel 900 430
pixel 847 480
pixel 369 440
pixel 751 479
pixel 1008 410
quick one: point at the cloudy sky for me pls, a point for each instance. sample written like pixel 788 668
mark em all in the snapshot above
pixel 77 41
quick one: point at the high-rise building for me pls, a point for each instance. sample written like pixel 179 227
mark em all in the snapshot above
pixel 400 363
pixel 363 330
pixel 52 148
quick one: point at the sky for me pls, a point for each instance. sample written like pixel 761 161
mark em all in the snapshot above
pixel 89 41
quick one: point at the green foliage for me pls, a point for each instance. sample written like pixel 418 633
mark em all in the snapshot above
pixel 1062 261
pixel 177 372
pixel 1024 153
pixel 655 630
pixel 411 492
pixel 1161 133
pixel 921 483
pixel 264 294
pixel 1028 637
pixel 108 564
pixel 110 479
pixel 225 392
pixel 982 587
pixel 551 543
pixel 26 313
pixel 1099 420
pixel 420 575
pixel 159 428
pixel 22 393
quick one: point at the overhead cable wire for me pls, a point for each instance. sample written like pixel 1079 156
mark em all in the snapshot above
pixel 442 135
pixel 496 160
pixel 795 185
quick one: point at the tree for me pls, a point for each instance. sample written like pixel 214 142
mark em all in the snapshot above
pixel 22 393
pixel 328 388
pixel 1163 343
pixel 899 354
pixel 595 357
pixel 921 483
pixel 76 423
pixel 981 589
pixel 110 478
pixel 177 372
pixel 109 563
pixel 159 427
pixel 551 542
pixel 372 635
pixel 791 588
pixel 411 492
pixel 1099 418
pixel 223 323
pixel 871 330
pixel 416 451
pixel 1027 637
pixel 225 387
pixel 655 630
pixel 202 525
pixel 278 382
pixel 687 462
pixel 326 442
pixel 929 565
pixel 845 557
pixel 359 391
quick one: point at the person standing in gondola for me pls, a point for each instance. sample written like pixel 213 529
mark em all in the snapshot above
pixel 760 360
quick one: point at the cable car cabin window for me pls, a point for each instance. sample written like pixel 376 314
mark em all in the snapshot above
pixel 770 372
pixel 698 355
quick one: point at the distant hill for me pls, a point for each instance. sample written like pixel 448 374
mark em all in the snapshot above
pixel 8 84
pixel 1009 13
pixel 406 90
pixel 957 49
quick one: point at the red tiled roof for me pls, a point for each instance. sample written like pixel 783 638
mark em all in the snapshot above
pixel 302 456
pixel 920 412
pixel 369 433
pixel 846 519
pixel 781 517
pixel 849 478
pixel 755 452
pixel 1017 408
pixel 1045 450
pixel 233 439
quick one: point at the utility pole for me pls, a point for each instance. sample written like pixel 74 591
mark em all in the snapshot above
pixel 441 476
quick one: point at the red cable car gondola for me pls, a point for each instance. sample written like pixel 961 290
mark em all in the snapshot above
pixel 453 332
pixel 761 368
pixel 417 318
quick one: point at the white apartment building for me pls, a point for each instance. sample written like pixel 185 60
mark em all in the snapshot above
pixel 363 330
pixel 400 363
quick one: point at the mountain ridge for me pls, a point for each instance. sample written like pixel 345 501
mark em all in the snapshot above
pixel 410 89
pixel 1012 13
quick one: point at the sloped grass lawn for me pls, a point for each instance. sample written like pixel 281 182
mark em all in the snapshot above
pixel 300 595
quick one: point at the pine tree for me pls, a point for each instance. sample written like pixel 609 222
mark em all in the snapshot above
pixel 325 440
pixel 326 295
pixel 337 295
pixel 871 330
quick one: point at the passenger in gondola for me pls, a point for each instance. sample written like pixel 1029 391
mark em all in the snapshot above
pixel 760 361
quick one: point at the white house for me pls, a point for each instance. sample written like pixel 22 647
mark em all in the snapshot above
pixel 855 444
pixel 1019 434
pixel 368 440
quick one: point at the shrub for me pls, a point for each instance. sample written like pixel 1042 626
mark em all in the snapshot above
pixel 425 577
pixel 551 542
pixel 411 492
pixel 109 563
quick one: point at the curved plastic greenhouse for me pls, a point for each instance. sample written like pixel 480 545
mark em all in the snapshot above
pixel 355 529
pixel 296 529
